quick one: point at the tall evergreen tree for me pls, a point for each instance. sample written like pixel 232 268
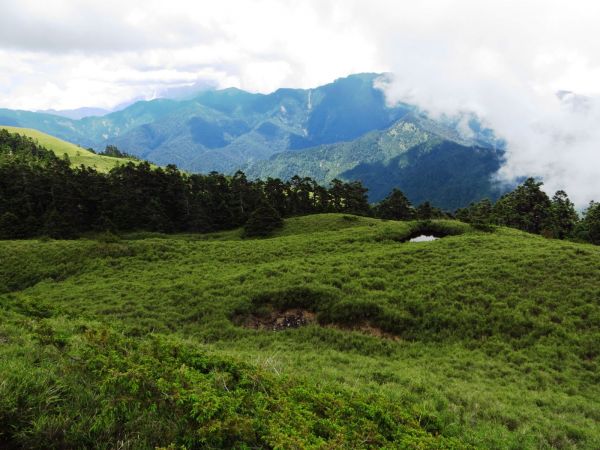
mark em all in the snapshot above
pixel 527 208
pixel 275 193
pixel 563 217
pixel 395 207
pixel 356 199
pixel 480 215
pixel 11 226
pixel 425 211
pixel 263 221
pixel 592 223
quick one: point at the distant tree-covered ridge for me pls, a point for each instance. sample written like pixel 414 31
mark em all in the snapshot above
pixel 102 162
pixel 41 194
pixel 344 130
pixel 527 208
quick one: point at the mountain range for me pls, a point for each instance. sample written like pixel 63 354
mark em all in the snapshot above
pixel 344 129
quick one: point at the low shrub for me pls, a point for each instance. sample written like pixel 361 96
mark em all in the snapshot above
pixel 99 389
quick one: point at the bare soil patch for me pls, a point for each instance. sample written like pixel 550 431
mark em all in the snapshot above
pixel 281 320
pixel 298 317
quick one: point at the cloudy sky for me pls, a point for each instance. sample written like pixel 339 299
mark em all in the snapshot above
pixel 504 60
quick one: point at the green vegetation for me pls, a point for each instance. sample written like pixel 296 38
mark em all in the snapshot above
pixel 343 130
pixel 263 221
pixel 478 339
pixel 77 155
pixel 529 208
pixel 40 194
pixel 113 151
pixel 424 161
pixel 224 129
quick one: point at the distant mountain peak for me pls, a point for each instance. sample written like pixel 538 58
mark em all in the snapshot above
pixel 78 113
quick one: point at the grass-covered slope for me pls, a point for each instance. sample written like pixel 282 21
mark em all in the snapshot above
pixel 76 154
pixel 484 340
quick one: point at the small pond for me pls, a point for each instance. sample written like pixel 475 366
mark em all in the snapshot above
pixel 424 238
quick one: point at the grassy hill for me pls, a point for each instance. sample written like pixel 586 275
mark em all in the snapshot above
pixel 474 340
pixel 77 155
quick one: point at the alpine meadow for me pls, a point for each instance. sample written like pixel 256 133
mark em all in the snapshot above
pixel 299 225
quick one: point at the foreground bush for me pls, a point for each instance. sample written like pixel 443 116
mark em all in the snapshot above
pixel 91 387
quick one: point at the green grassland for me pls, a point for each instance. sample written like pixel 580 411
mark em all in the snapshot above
pixel 476 340
pixel 77 155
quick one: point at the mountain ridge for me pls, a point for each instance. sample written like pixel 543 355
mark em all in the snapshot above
pixel 231 129
pixel 456 172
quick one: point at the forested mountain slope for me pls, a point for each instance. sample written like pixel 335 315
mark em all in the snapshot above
pixel 344 129
pixel 242 126
pixel 416 155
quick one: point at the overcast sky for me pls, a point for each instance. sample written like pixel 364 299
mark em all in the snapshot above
pixel 504 60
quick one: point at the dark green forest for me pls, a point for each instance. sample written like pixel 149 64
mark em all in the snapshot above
pixel 41 194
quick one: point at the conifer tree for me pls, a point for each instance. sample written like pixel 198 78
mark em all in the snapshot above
pixel 263 221
pixel 563 217
pixel 10 226
pixel 395 207
pixel 592 223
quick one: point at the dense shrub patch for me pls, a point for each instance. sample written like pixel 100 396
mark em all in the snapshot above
pixel 160 391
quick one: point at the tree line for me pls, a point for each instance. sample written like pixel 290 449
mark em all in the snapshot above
pixel 526 208
pixel 114 152
pixel 530 209
pixel 41 194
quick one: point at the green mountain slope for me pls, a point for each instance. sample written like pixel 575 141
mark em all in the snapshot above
pixel 342 129
pixel 90 131
pixel 482 340
pixel 425 160
pixel 222 130
pixel 76 154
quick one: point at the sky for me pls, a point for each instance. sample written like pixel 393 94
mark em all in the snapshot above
pixel 505 61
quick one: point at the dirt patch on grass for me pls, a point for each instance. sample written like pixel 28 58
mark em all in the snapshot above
pixel 281 320
pixel 297 317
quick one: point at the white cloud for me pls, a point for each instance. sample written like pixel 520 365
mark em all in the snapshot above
pixel 127 49
pixel 504 60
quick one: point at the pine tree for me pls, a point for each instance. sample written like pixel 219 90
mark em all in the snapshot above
pixel 263 221
pixel 56 226
pixel 425 211
pixel 356 198
pixel 526 208
pixel 563 216
pixel 480 215
pixel 592 223
pixel 395 207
